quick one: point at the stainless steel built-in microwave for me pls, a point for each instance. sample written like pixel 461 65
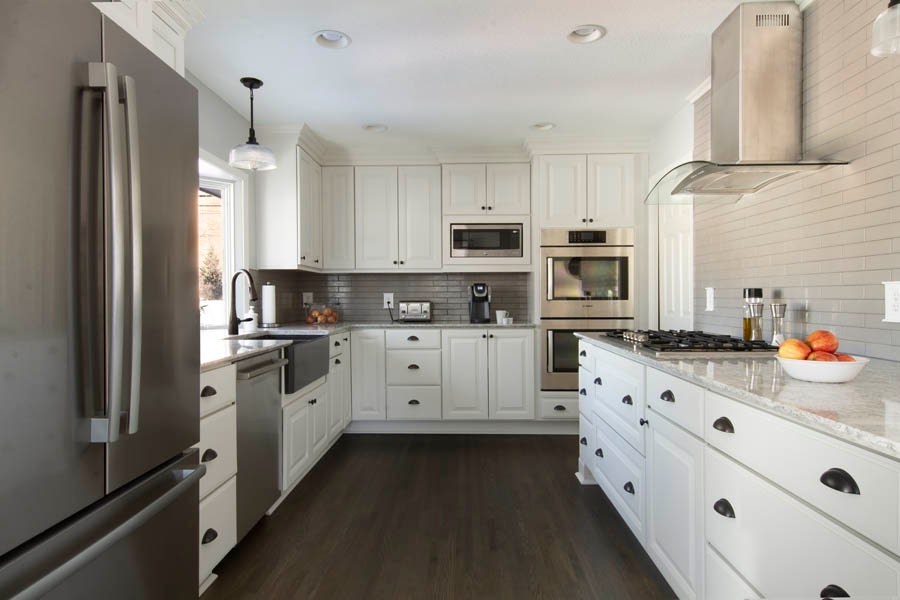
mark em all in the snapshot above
pixel 486 240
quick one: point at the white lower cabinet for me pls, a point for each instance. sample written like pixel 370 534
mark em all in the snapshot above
pixel 724 582
pixel 675 539
pixel 319 403
pixel 218 448
pixel 339 394
pixel 218 526
pixel 619 470
pixel 414 402
pixel 511 374
pixel 297 447
pixel 368 382
pixel 464 354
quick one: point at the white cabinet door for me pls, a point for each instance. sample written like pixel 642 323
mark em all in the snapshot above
pixel 376 218
pixel 345 381
pixel 563 191
pixel 675 538
pixel 511 374
pixel 368 382
pixel 464 189
pixel 509 189
pixel 464 354
pixel 676 267
pixel 336 376
pixel 420 217
pixel 610 190
pixel 319 401
pixel 338 247
pixel 309 186
pixel 296 428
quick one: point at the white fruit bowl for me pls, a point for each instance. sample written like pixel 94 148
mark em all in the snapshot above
pixel 823 372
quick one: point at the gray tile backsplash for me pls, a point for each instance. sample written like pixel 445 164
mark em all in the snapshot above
pixel 823 242
pixel 358 296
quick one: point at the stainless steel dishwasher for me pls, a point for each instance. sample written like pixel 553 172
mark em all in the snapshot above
pixel 258 432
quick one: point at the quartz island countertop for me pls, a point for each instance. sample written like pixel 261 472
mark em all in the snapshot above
pixel 864 412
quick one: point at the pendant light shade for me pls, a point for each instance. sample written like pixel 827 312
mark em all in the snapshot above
pixel 886 31
pixel 250 155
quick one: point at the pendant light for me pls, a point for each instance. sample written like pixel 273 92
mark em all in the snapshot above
pixel 252 156
pixel 886 31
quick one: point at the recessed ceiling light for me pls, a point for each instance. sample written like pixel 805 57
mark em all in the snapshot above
pixel 375 128
pixel 585 34
pixel 330 38
pixel 543 126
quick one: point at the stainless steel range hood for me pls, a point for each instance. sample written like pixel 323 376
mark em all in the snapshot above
pixel 756 107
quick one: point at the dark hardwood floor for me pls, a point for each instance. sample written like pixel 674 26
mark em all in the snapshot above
pixel 442 516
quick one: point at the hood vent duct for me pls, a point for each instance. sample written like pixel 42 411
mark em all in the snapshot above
pixel 756 107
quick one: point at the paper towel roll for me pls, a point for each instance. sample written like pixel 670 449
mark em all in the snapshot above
pixel 268 305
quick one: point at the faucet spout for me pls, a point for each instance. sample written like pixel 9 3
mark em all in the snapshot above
pixel 233 320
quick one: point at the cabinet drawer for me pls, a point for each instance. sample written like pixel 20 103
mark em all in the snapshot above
pixel 677 400
pixel 413 367
pixel 723 582
pixel 218 389
pixel 619 400
pixel 218 526
pixel 414 402
pixel 586 441
pixel 619 470
pixel 783 548
pixel 586 394
pixel 408 339
pixel 798 459
pixel 586 355
pixel 558 408
pixel 607 363
pixel 338 343
pixel 218 448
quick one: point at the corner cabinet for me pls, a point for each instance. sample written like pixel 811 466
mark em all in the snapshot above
pixel 577 190
pixel 309 226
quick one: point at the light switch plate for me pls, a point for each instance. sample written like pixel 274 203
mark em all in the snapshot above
pixel 307 297
pixel 891 301
pixel 710 298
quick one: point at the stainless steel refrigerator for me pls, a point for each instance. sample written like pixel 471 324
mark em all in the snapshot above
pixel 99 341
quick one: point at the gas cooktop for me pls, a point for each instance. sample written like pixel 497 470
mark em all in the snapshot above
pixel 696 344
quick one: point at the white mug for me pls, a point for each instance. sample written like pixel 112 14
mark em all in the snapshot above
pixel 507 321
pixel 502 314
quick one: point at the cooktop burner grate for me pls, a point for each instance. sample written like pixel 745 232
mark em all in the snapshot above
pixel 665 342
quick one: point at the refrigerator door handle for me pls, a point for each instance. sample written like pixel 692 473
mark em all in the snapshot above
pixel 40 587
pixel 104 76
pixel 128 95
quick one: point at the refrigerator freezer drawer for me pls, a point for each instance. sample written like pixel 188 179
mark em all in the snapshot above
pixel 218 526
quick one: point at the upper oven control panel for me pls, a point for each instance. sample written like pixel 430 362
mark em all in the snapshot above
pixel 621 236
pixel 587 237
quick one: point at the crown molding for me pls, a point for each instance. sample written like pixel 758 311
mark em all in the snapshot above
pixel 481 154
pixel 314 145
pixel 181 15
pixel 584 145
pixel 699 90
pixel 378 156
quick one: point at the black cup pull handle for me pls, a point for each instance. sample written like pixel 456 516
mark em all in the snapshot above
pixel 833 591
pixel 209 536
pixel 413 367
pixel 629 487
pixel 598 452
pixel 667 396
pixel 598 381
pixel 337 361
pixel 336 343
pixel 840 480
pixel 724 425
pixel 208 391
pixel 209 455
pixel 583 441
pixel 412 338
pixel 559 407
pixel 724 508
pixel 582 392
pixel 627 400
pixel 413 402
pixel 582 353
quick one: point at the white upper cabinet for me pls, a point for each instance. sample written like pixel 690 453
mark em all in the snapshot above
pixel 377 236
pixel 509 189
pixel 563 190
pixel 464 372
pixel 338 237
pixel 610 190
pixel 464 189
pixel 420 217
pixel 511 374
pixel 309 185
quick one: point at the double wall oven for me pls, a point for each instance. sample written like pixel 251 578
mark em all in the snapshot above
pixel 587 284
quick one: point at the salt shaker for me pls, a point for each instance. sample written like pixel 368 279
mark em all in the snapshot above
pixel 778 311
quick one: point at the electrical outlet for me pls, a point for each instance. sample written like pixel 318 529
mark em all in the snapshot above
pixel 892 301
pixel 388 300
pixel 710 298
pixel 307 297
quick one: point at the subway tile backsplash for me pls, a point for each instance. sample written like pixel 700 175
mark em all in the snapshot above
pixel 823 242
pixel 358 296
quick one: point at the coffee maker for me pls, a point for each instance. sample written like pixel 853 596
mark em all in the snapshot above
pixel 479 303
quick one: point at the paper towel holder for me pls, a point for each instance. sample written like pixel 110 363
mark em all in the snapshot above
pixel 268 306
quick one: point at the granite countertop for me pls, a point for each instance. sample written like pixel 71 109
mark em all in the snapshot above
pixel 215 353
pixel 864 412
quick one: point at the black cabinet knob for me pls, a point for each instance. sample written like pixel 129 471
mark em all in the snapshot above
pixel 584 220
pixel 724 508
pixel 490 208
pixel 598 381
pixel 583 392
pixel 412 338
pixel 627 400
pixel 559 408
pixel 208 391
pixel 667 396
pixel 840 480
pixel 315 261
pixel 491 335
pixel 302 258
pixel 644 422
pixel 402 262
pixel 395 262
pixel 833 591
pixel 209 455
pixel 628 487
pixel 413 367
pixel 313 401
pixel 484 208
pixel 724 425
pixel 209 535
pixel 590 220
pixel 484 335
pixel 346 339
pixel 598 452
pixel 583 441
pixel 413 402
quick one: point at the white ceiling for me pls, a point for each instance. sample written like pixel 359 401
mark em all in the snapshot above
pixel 457 72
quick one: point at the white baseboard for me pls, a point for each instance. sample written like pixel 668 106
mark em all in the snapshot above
pixel 461 427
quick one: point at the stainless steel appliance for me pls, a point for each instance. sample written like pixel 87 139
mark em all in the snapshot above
pixel 415 311
pixel 692 344
pixel 99 331
pixel 559 348
pixel 307 359
pixel 479 303
pixel 258 433
pixel 486 240
pixel 587 274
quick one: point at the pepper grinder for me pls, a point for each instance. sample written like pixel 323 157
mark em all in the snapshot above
pixel 753 312
pixel 778 311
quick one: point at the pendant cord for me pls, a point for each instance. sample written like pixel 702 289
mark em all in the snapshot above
pixel 252 138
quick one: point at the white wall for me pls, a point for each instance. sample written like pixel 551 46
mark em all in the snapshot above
pixel 673 143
